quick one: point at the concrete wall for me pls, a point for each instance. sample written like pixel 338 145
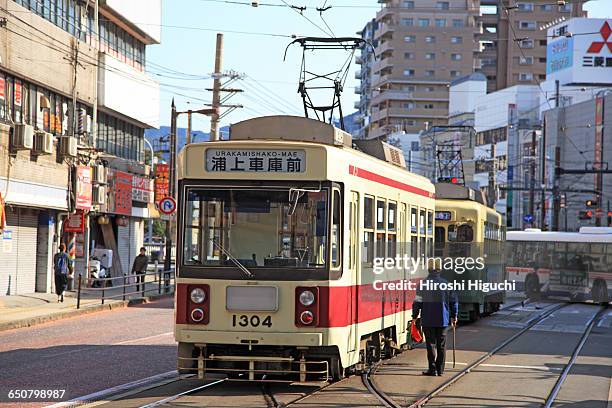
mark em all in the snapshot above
pixel 465 96
pixel 492 110
pixel 43 54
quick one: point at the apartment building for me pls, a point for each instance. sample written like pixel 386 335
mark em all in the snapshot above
pixel 365 60
pixel 514 39
pixel 74 103
pixel 422 45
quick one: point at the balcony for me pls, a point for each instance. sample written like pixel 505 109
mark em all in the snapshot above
pixel 384 13
pixel 384 30
pixel 409 113
pixel 384 47
pixel 359 60
pixel 382 64
pixel 357 104
pixel 358 89
pixel 128 91
pixel 358 74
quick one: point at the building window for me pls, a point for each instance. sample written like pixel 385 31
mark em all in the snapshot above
pixel 409 72
pixel 542 60
pixel 456 57
pixel 546 7
pixel 408 88
pixel 489 62
pixel 429 89
pixel 442 5
pixel 527 25
pixel 525 76
pixel 430 73
pixel 526 60
pixel 524 6
pixel 440 22
pixel 566 8
pixel 408 22
pixel 428 106
pixel 408 105
pixel 414 146
pixel 409 55
pixel 430 56
pixel 430 39
pixel 543 43
pixel 408 4
pixel 409 38
pixel 458 23
pixel 423 22
pixel 455 74
pixel 456 40
pixel 526 44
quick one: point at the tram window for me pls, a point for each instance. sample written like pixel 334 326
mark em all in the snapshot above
pixel 430 247
pixel 391 216
pixel 422 222
pixel 380 245
pixel 391 246
pixel 414 247
pixel 257 228
pixel 380 215
pixel 461 233
pixel 429 222
pixel 413 220
pixel 336 230
pixel 368 211
pixel 422 248
pixel 368 246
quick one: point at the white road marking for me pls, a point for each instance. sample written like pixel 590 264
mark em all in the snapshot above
pixel 542 368
pixel 610 395
pixel 112 344
pixel 114 390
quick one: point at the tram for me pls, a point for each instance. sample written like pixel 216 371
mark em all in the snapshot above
pixel 572 265
pixel 279 231
pixel 467 227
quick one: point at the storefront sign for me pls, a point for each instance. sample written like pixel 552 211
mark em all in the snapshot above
pixel 7 241
pixel 162 179
pixel 2 86
pixel 255 161
pixel 120 188
pixel 83 188
pixel 2 214
pixel 18 93
pixel 75 222
pixel 141 189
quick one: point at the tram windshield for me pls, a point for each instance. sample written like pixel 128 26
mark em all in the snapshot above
pixel 257 228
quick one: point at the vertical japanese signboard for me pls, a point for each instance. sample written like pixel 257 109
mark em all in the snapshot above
pixel 83 188
pixel 162 181
pixel 141 189
pixel 120 197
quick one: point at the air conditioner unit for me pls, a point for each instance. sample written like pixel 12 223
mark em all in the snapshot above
pixel 68 146
pixel 23 137
pixel 43 143
pixel 99 174
pixel 98 196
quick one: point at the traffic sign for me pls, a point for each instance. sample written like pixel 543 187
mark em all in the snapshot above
pixel 528 218
pixel 167 205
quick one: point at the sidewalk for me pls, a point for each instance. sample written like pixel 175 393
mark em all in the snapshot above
pixel 35 308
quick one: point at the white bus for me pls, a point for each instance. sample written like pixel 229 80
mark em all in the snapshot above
pixel 576 265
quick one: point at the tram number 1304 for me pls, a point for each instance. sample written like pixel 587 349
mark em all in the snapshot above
pixel 252 321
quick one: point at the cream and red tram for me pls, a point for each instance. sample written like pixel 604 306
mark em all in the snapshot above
pixel 278 231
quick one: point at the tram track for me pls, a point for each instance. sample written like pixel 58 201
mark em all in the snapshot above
pixel 424 400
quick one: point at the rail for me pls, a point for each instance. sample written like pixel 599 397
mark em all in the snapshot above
pixel 126 287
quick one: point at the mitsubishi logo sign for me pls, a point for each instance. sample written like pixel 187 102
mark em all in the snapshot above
pixel 597 46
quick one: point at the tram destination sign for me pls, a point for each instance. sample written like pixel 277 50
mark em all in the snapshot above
pixel 255 160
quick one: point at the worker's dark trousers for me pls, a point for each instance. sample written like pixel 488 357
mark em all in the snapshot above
pixel 435 338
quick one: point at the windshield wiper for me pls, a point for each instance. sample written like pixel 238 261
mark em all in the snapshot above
pixel 295 194
pixel 234 260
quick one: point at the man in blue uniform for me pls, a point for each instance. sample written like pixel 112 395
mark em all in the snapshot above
pixel 438 309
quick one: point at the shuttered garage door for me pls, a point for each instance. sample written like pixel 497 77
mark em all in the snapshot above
pixel 18 266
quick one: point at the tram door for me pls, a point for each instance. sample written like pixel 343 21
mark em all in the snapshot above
pixel 354 269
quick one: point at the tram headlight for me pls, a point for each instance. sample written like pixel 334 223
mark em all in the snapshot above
pixel 307 317
pixel 307 298
pixel 198 295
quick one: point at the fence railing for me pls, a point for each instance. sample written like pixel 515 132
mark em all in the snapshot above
pixel 128 286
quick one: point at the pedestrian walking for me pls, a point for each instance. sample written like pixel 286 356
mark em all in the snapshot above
pixel 438 309
pixel 139 268
pixel 61 269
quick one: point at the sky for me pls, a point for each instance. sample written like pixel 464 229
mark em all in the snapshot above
pixel 255 39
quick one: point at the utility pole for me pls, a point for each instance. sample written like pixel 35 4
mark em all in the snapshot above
pixel 543 176
pixel 556 194
pixel 188 136
pixel 532 175
pixel 492 174
pixel 216 99
pixel 171 184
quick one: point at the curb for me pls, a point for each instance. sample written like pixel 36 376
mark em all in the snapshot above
pixel 148 299
pixel 33 321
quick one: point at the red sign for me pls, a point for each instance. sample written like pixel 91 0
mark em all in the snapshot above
pixel 141 189
pixel 2 85
pixel 18 93
pixel 162 180
pixel 83 188
pixel 597 46
pixel 120 198
pixel 75 222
